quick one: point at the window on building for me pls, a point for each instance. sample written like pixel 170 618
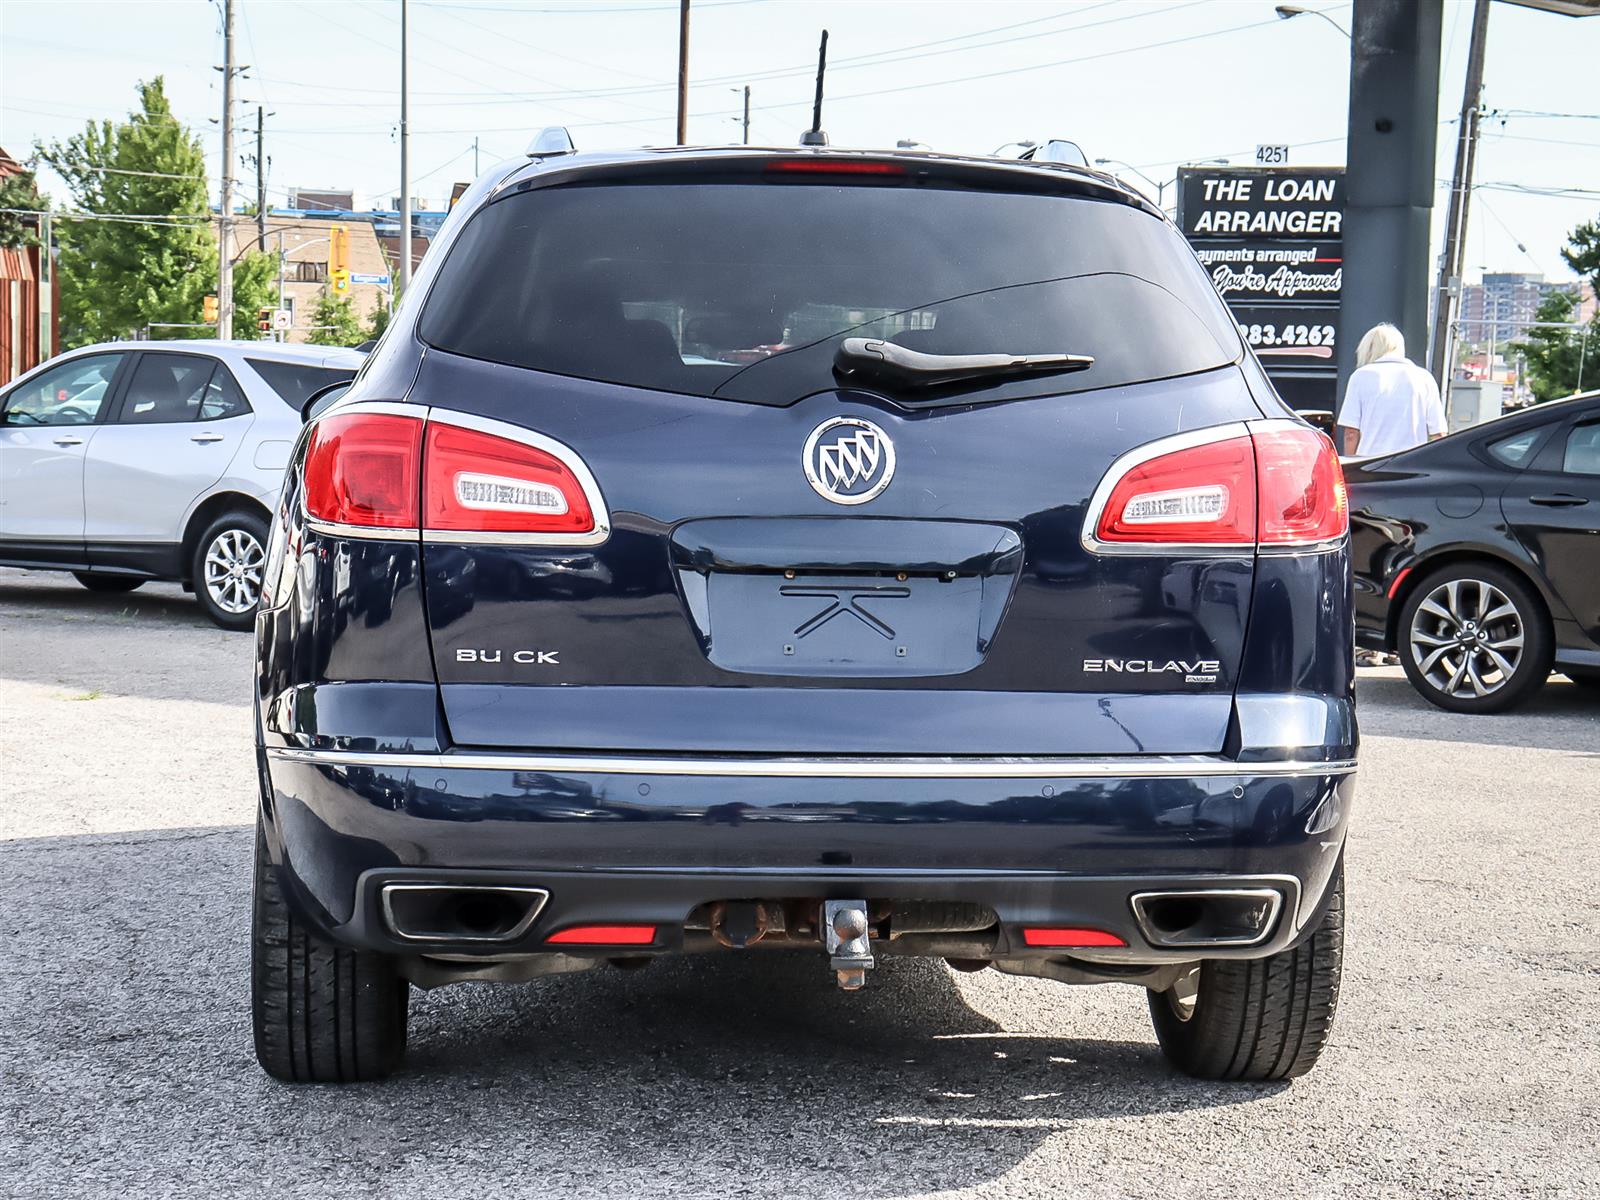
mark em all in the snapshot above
pixel 310 272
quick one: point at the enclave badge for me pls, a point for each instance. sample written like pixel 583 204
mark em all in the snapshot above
pixel 848 460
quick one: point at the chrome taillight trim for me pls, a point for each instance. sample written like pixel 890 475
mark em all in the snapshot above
pixel 1140 455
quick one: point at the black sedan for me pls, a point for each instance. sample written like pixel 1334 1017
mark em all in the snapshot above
pixel 1477 557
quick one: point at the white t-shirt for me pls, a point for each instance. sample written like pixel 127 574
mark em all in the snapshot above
pixel 1394 403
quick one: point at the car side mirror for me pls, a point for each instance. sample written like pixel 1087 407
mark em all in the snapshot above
pixel 322 398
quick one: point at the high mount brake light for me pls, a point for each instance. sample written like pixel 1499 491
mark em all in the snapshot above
pixel 390 471
pixel 477 482
pixel 1278 486
pixel 834 166
pixel 363 469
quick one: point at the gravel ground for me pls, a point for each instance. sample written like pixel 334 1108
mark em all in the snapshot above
pixel 1464 1061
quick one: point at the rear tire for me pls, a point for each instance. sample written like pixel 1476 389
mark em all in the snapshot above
pixel 1259 1019
pixel 1587 679
pixel 322 1013
pixel 227 569
pixel 1441 617
pixel 107 583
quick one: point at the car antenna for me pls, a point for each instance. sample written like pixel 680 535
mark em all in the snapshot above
pixel 814 136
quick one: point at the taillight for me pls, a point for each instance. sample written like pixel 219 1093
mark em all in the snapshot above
pixel 1201 494
pixel 478 482
pixel 363 469
pixel 1273 486
pixel 1302 496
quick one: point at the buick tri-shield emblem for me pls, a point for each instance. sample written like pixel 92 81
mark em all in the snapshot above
pixel 848 460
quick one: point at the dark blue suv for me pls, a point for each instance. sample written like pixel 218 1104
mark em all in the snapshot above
pixel 864 554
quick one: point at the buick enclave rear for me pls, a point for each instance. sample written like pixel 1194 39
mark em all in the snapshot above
pixel 729 550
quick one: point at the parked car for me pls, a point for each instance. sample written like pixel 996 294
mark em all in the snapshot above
pixel 1002 616
pixel 130 461
pixel 1477 556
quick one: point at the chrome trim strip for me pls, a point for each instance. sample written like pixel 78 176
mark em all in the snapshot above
pixel 540 897
pixel 363 532
pixel 1148 767
pixel 1167 943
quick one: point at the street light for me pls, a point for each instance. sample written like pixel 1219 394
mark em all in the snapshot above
pixel 1161 188
pixel 1285 11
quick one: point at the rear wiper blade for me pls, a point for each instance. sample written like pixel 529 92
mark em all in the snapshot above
pixel 872 359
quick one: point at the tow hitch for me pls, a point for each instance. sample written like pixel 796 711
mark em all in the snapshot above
pixel 845 937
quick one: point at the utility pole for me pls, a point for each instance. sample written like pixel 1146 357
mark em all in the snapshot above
pixel 1455 236
pixel 405 172
pixel 225 224
pixel 261 184
pixel 280 335
pixel 747 114
pixel 683 72
pixel 474 158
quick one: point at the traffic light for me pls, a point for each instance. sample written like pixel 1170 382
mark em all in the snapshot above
pixel 341 281
pixel 264 320
pixel 209 308
pixel 339 251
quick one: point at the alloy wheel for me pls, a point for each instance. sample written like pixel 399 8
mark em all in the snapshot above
pixel 233 566
pixel 1467 638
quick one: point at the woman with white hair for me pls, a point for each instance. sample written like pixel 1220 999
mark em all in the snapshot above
pixel 1390 403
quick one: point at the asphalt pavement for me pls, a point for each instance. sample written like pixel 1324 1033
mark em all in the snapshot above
pixel 1464 1061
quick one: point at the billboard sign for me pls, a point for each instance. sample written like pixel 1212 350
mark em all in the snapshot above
pixel 1271 240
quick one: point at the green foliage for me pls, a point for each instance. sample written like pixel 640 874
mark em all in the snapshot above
pixel 336 322
pixel 1559 358
pixel 20 191
pixel 119 277
pixel 255 286
pixel 1582 252
pixel 378 322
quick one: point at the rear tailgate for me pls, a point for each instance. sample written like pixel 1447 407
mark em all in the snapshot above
pixel 967 616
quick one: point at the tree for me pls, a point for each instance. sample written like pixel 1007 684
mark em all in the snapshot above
pixel 335 321
pixel 1582 252
pixel 19 190
pixel 1560 360
pixel 152 257
pixel 378 322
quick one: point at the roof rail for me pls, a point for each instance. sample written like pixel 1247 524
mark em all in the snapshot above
pixel 550 141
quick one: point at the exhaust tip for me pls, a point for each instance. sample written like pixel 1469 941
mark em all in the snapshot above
pixel 440 912
pixel 1208 916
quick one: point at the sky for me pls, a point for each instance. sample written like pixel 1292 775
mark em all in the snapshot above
pixel 1151 83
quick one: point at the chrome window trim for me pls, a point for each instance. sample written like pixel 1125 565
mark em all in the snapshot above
pixel 1147 767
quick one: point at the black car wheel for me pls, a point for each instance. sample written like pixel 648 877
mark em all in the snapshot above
pixel 322 1014
pixel 1257 1019
pixel 107 583
pixel 227 568
pixel 1474 638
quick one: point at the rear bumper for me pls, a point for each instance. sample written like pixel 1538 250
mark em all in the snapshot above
pixel 625 840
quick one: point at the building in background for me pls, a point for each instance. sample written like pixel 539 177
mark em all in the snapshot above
pixel 1500 308
pixel 29 300
pixel 304 240
pixel 321 199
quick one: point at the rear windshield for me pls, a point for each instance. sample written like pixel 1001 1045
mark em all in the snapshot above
pixel 295 382
pixel 745 290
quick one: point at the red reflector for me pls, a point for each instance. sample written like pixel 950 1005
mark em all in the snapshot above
pixel 1302 496
pixel 478 482
pixel 835 166
pixel 1070 937
pixel 1204 494
pixel 1398 580
pixel 604 935
pixel 362 469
